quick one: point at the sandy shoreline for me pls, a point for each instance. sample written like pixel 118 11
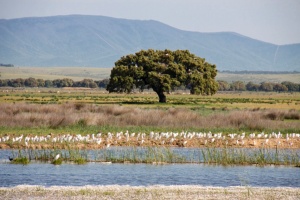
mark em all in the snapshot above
pixel 147 192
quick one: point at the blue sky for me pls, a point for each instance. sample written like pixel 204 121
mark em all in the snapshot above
pixel 274 21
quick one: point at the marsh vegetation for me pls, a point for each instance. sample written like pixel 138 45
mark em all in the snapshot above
pixel 82 120
pixel 163 155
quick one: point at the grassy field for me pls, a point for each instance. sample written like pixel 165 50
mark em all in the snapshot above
pixel 80 73
pixel 59 111
pixel 66 110
pixel 222 101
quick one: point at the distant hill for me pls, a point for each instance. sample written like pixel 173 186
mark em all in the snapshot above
pixel 98 41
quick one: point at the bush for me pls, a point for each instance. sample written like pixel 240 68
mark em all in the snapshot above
pixel 20 160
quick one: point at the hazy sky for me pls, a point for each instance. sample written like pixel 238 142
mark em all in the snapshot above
pixel 274 21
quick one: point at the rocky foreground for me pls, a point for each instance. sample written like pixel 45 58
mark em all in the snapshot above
pixel 147 192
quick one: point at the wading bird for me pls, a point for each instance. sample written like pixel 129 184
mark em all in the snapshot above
pixel 57 157
pixel 10 158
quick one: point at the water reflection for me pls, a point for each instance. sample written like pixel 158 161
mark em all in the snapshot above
pixel 145 174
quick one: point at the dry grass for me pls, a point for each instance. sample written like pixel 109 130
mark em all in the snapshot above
pixel 282 115
pixel 149 192
pixel 59 115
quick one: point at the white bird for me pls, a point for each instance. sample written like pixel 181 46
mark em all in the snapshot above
pixel 57 157
pixel 267 140
pixel 254 142
pixel 172 140
pixel 99 141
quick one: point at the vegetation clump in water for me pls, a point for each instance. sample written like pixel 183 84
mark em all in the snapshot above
pixel 80 161
pixel 57 161
pixel 20 160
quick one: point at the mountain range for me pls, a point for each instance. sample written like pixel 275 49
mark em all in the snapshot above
pixel 98 41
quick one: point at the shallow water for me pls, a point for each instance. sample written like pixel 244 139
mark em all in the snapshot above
pixel 145 174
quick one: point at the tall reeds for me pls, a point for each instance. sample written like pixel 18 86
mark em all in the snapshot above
pixel 48 155
pixel 155 155
pixel 261 156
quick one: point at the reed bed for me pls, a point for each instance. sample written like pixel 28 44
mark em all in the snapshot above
pixel 261 156
pixel 74 156
pixel 220 156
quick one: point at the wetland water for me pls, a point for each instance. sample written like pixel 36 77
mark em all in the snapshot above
pixel 95 173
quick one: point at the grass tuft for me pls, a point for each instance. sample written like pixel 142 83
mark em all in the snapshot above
pixel 57 162
pixel 20 160
pixel 80 161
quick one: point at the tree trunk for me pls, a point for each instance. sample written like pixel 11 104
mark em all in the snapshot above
pixel 162 97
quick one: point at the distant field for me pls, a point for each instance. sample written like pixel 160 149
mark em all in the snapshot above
pixel 222 101
pixel 80 73
pixel 51 73
pixel 258 78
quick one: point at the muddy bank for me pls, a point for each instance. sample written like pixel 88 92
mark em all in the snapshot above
pixel 148 192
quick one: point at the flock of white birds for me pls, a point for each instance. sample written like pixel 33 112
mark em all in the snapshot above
pixel 159 138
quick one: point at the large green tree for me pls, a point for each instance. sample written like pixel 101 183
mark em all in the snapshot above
pixel 163 70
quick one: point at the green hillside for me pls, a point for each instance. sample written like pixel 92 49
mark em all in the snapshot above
pixel 97 41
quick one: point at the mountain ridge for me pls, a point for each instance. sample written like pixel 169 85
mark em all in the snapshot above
pixel 99 41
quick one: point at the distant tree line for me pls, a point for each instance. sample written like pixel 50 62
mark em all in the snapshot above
pixel 285 86
pixel 6 65
pixel 57 83
pixel 260 72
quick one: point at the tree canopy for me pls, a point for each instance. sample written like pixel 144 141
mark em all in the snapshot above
pixel 163 70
